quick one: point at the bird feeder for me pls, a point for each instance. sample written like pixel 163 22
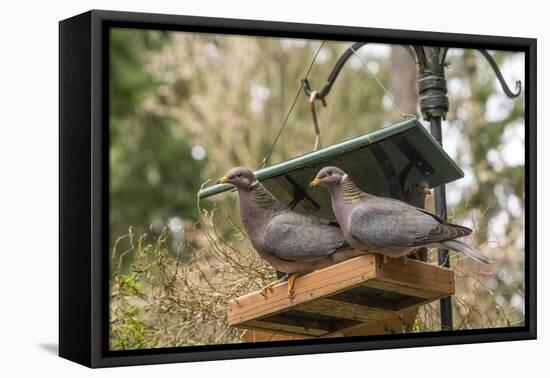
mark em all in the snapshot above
pixel 363 295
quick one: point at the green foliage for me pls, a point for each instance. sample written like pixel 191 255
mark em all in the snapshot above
pixel 131 334
pixel 166 300
pixel 129 285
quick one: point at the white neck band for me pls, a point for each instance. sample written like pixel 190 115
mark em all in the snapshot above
pixel 344 177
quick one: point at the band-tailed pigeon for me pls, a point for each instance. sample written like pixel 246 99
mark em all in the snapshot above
pixel 292 243
pixel 417 192
pixel 388 226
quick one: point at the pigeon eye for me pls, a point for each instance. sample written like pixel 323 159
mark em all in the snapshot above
pixel 240 175
pixel 329 173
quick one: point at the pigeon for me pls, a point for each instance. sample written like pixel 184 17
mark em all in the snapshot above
pixel 417 192
pixel 390 227
pixel 291 242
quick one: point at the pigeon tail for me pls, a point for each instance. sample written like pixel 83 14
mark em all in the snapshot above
pixel 457 245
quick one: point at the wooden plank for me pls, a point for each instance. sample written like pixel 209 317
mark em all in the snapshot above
pixel 286 318
pixel 400 322
pixel 343 310
pixel 401 289
pixel 372 319
pixel 417 272
pixel 428 279
pixel 282 328
pixel 311 320
pixel 439 284
pixel 350 297
pixel 396 322
pixel 318 284
pixel 413 302
pixel 253 336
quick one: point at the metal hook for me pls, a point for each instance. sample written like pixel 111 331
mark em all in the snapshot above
pixel 312 97
pixel 335 71
pixel 500 78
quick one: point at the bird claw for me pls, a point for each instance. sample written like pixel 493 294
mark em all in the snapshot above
pixel 291 280
pixel 269 286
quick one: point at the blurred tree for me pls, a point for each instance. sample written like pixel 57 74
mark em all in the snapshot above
pixel 485 137
pixel 403 80
pixel 491 132
pixel 152 172
pixel 240 90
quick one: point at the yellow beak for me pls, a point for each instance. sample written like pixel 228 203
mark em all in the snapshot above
pixel 315 182
pixel 223 180
pixel 428 192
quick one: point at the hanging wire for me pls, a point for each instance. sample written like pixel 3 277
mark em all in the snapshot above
pixel 268 156
pixel 394 104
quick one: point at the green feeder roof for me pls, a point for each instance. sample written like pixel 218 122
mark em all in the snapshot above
pixel 382 163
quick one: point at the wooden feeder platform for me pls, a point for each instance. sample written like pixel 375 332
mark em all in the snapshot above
pixel 360 296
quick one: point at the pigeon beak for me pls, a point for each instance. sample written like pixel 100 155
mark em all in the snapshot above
pixel 427 192
pixel 223 180
pixel 315 182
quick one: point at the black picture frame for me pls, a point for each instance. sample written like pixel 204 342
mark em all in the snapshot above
pixel 84 195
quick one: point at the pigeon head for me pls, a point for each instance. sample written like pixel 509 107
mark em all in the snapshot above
pixel 422 187
pixel 329 177
pixel 240 177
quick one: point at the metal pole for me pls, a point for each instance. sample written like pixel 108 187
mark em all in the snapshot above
pixel 434 104
pixel 446 310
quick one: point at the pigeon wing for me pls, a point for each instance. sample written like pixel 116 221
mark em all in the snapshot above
pixel 390 224
pixel 380 224
pixel 442 232
pixel 295 237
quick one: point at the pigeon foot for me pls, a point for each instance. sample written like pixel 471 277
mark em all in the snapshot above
pixel 291 280
pixel 269 286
